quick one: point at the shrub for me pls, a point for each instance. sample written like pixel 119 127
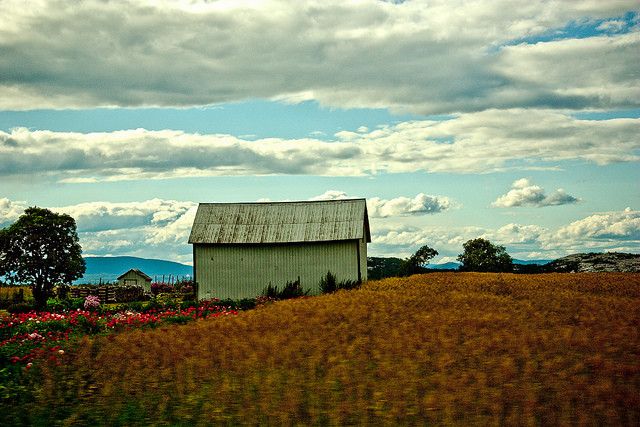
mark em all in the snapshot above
pixel 290 290
pixel 56 304
pixel 328 284
pixel 128 293
pixel 91 302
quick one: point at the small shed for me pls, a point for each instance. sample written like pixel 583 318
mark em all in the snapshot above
pixel 240 248
pixel 135 277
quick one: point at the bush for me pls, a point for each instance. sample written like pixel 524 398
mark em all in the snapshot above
pixel 168 300
pixel 128 293
pixel 290 290
pixel 328 284
pixel 56 304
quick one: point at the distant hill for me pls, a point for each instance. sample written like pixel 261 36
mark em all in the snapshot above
pixel 444 266
pixel 108 269
pixel 596 262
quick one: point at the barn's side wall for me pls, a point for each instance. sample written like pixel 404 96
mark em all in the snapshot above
pixel 363 259
pixel 244 270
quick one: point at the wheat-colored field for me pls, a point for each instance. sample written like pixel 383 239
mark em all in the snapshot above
pixel 442 348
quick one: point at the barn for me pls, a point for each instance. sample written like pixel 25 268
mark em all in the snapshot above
pixel 239 248
pixel 135 277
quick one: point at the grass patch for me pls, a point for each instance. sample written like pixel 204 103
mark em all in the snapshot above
pixel 442 348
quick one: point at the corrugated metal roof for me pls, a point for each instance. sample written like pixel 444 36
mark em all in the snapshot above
pixel 281 222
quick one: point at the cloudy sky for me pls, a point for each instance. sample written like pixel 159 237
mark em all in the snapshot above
pixel 516 121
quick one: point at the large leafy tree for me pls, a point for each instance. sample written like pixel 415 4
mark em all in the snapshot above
pixel 482 255
pixel 41 249
pixel 414 264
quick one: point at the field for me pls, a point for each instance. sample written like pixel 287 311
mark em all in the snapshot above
pixel 441 348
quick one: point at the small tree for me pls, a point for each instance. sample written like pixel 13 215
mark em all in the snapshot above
pixel 41 249
pixel 414 264
pixel 482 255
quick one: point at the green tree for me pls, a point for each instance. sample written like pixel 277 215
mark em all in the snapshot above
pixel 41 249
pixel 414 264
pixel 482 255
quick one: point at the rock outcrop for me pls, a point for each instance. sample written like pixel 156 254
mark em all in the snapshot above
pixel 595 262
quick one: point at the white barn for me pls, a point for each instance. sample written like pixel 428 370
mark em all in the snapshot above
pixel 239 248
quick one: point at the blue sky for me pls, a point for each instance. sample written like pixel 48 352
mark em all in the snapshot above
pixel 513 121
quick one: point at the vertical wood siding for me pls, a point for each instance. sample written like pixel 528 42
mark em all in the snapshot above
pixel 244 270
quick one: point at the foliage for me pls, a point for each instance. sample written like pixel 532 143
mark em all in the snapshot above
pixel 292 289
pixel 442 349
pixel 41 249
pixel 128 293
pixel 91 302
pixel 380 267
pixel 483 256
pixel 328 283
pixel 10 295
pixel 414 264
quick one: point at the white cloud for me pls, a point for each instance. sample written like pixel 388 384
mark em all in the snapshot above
pixel 608 226
pixel 10 211
pixel 604 232
pixel 437 56
pixel 331 195
pixel 525 193
pixel 421 204
pixel 160 229
pixel 491 140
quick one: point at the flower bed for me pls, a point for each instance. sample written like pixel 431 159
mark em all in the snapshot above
pixel 26 337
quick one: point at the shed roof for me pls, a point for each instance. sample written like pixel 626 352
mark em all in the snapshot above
pixel 281 222
pixel 135 270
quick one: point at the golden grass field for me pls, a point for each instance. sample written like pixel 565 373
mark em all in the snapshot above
pixel 441 348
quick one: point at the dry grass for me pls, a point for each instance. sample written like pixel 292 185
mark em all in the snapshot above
pixel 7 292
pixel 442 348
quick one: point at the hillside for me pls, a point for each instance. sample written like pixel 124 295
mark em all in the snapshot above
pixel 108 269
pixel 433 349
pixel 596 262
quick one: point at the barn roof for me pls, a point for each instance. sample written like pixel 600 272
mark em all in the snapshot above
pixel 281 222
pixel 135 270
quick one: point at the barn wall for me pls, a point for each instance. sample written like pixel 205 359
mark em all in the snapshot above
pixel 363 259
pixel 243 271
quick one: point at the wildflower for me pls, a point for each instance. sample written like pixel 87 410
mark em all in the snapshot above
pixel 60 351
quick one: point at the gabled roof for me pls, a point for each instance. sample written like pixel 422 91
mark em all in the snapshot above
pixel 281 222
pixel 135 270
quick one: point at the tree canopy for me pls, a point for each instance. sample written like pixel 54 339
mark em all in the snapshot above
pixel 41 249
pixel 414 264
pixel 482 255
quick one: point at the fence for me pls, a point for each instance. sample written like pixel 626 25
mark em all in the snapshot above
pixel 107 294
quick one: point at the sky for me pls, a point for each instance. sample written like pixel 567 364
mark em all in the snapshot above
pixel 514 121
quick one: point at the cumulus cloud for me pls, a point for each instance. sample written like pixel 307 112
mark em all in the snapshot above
pixel 160 228
pixel 525 193
pixel 616 231
pixel 491 140
pixel 421 204
pixel 622 225
pixel 445 56
pixel 10 211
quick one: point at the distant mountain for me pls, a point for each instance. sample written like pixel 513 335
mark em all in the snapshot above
pixel 108 269
pixel 444 266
